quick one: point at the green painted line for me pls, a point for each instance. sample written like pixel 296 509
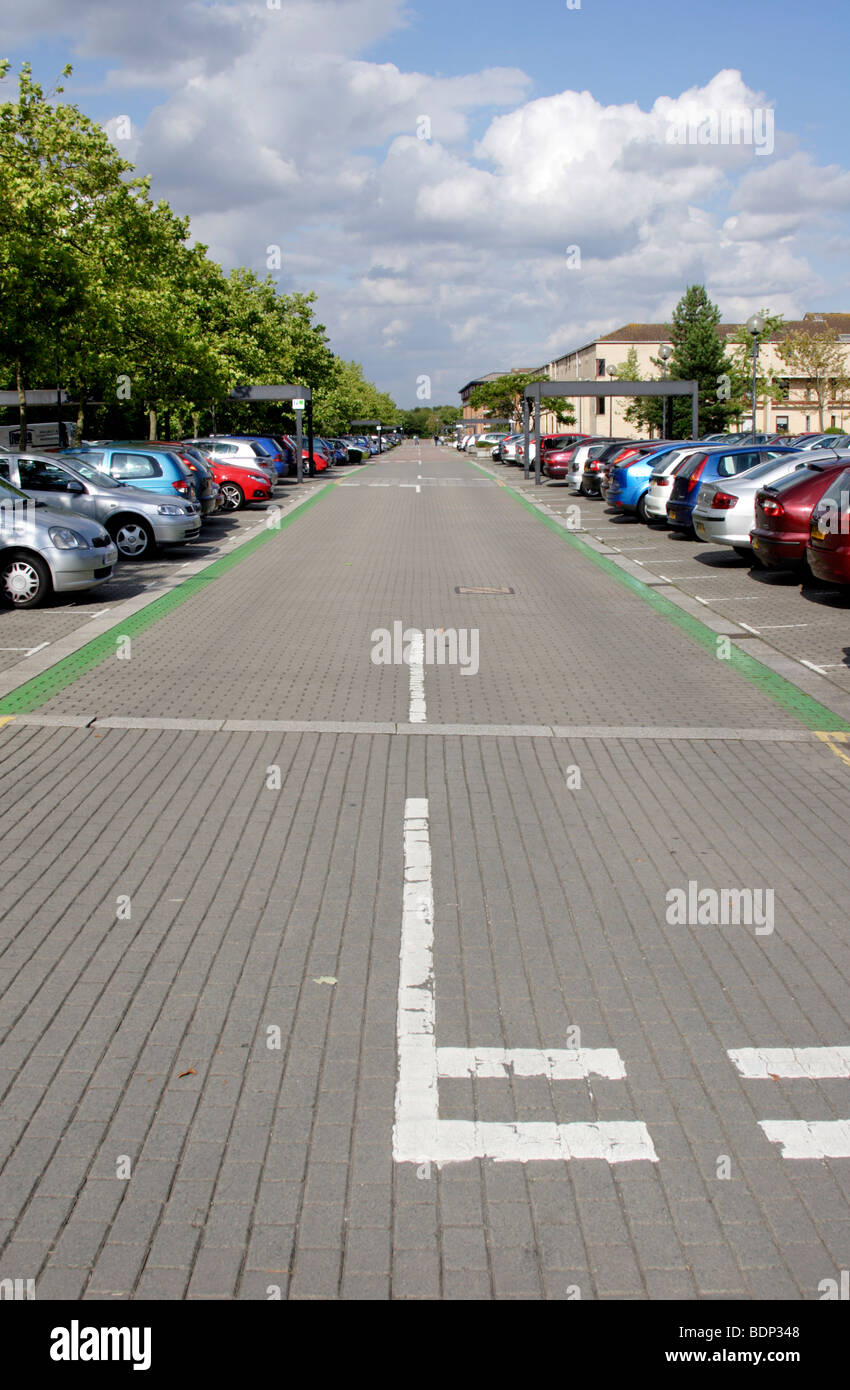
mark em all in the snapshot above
pixel 803 707
pixel 36 692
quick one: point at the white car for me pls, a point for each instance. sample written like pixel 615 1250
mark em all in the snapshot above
pixel 239 453
pixel 661 481
pixel 731 522
pixel 579 459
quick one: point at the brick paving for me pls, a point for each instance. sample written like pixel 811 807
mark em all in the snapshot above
pixel 200 971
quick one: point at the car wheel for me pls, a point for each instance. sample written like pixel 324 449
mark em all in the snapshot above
pixel 641 508
pixel 24 581
pixel 134 539
pixel 233 496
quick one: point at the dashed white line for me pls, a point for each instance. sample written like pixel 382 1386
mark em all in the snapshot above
pixel 416 658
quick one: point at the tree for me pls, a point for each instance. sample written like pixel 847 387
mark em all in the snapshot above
pixel 818 357
pixel 503 396
pixel 59 177
pixel 698 355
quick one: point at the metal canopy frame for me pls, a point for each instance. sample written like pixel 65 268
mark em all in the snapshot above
pixel 371 425
pixel 536 389
pixel 284 393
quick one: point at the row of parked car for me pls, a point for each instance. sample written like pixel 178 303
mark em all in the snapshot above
pixel 777 501
pixel 67 517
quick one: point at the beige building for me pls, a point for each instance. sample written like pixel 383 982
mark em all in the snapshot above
pixel 793 409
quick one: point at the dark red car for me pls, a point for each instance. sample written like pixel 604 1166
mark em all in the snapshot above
pixel 828 551
pixel 549 444
pixel 784 513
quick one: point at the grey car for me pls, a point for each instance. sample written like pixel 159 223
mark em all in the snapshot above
pixel 41 553
pixel 137 519
pixel 729 522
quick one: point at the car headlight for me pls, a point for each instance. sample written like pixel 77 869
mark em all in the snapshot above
pixel 64 539
pixel 255 477
pixel 171 511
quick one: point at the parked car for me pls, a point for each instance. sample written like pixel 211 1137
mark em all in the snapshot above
pixel 137 521
pixel 41 553
pixel 707 466
pixel 661 482
pixel 628 485
pixel 151 467
pixel 589 448
pixel 209 495
pixel 548 443
pixel 725 511
pixel 238 483
pixel 244 452
pixel 783 513
pixel 828 550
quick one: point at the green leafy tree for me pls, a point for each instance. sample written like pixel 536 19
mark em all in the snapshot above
pixel 502 398
pixel 698 355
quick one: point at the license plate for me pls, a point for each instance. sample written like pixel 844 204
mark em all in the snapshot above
pixel 699 527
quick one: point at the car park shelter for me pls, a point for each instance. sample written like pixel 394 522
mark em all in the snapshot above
pixel 301 398
pixel 533 393
pixel 369 425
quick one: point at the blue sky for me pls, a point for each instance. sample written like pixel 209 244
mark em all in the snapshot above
pixel 297 126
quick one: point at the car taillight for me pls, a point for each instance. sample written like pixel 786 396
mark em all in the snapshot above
pixel 722 501
pixel 593 467
pixel 771 506
pixel 181 486
pixel 695 476
pixel 662 482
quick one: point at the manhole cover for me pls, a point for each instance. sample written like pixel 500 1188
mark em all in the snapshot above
pixel 463 589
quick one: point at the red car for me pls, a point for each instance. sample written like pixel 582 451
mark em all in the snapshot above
pixel 784 514
pixel 549 443
pixel 828 551
pixel 320 458
pixel 556 462
pixel 238 484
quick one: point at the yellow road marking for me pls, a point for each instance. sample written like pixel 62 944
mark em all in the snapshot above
pixel 830 740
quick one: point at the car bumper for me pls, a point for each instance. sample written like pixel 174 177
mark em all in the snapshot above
pixel 830 565
pixel 778 554
pixel 721 530
pixel 679 514
pixel 176 530
pixel 72 570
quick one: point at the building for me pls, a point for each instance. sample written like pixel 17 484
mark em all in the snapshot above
pixel 793 409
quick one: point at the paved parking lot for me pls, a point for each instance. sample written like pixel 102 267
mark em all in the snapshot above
pixel 328 974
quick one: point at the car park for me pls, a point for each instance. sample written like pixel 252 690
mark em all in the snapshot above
pixel 783 513
pixel 45 551
pixel 137 521
pixel 243 453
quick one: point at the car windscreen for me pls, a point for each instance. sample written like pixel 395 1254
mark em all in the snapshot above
pixel 800 475
pixel 93 475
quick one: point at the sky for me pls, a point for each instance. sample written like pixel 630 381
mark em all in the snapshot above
pixel 470 187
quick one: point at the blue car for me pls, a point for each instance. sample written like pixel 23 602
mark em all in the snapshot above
pixel 148 466
pixel 708 467
pixel 629 484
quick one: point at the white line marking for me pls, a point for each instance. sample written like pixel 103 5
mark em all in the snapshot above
pixel 416 658
pixel 773 627
pixel 811 665
pixel 559 1064
pixel 809 1138
pixel 795 1062
pixel 419 1135
pixel 754 630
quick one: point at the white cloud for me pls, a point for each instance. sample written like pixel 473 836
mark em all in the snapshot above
pixel 439 255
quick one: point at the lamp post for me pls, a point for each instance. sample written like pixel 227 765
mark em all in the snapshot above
pixel 612 372
pixel 665 352
pixel 755 326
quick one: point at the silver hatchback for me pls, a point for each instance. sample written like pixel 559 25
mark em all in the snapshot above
pixel 40 552
pixel 137 519
pixel 725 512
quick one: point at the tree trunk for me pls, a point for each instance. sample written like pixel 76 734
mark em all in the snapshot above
pixel 196 423
pixel 22 403
pixel 151 424
pixel 81 417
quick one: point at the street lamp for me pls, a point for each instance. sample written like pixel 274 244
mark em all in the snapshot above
pixel 755 326
pixel 612 372
pixel 665 352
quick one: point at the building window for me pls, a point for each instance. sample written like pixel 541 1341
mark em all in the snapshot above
pixel 782 424
pixel 600 366
pixel 833 421
pixel 600 405
pixel 808 422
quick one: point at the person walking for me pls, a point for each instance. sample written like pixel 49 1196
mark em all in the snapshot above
pixel 436 440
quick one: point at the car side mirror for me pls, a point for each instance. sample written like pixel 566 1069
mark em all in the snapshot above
pixel 74 486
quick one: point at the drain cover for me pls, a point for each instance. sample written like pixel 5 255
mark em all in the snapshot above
pixel 462 589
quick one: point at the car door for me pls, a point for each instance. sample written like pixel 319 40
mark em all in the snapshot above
pixel 52 484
